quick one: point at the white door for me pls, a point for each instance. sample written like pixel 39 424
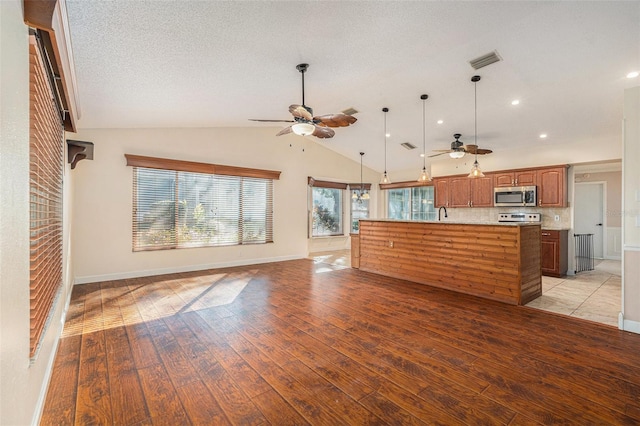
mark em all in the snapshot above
pixel 588 216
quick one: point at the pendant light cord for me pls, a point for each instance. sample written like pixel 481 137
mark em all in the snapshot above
pixel 475 115
pixel 385 139
pixel 424 134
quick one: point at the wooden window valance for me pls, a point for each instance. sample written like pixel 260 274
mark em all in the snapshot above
pixel 405 184
pixel 325 184
pixel 49 19
pixel 194 167
pixel 365 186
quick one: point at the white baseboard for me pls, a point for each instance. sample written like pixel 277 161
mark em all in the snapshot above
pixel 37 413
pixel 628 325
pixel 151 272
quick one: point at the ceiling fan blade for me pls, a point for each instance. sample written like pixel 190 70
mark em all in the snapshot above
pixel 284 131
pixel 441 150
pixel 435 155
pixel 323 132
pixel 300 111
pixel 473 149
pixel 272 121
pixel 335 120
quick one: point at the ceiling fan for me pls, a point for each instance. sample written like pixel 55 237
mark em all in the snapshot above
pixel 459 149
pixel 306 124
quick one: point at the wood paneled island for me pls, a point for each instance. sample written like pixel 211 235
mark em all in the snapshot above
pixel 494 261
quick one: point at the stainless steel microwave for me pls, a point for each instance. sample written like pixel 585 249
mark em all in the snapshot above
pixel 515 196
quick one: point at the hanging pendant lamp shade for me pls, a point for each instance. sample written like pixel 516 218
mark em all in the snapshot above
pixel 385 177
pixel 424 175
pixel 475 170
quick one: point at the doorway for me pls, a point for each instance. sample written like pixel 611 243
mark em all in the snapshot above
pixel 589 215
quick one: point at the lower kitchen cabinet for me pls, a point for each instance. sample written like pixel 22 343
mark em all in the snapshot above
pixel 554 252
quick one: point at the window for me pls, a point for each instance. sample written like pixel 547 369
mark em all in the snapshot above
pixel 180 209
pixel 327 211
pixel 359 209
pixel 411 203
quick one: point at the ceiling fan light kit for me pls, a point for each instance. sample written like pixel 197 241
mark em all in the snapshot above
pixel 303 129
pixel 424 175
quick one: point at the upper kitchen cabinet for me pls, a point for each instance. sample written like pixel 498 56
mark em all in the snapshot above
pixel 461 191
pixel 552 186
pixel 515 178
pixel 441 188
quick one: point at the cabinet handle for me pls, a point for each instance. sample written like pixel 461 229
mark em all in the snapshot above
pixel 516 182
pixel 471 203
pixel 545 234
pixel 512 182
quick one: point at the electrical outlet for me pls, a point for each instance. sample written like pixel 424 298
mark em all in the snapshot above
pixel 557 218
pixel 391 244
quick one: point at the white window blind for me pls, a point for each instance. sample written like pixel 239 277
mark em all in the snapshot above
pixel 178 209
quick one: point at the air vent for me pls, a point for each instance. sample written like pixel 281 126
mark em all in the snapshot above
pixel 350 111
pixel 485 60
pixel 408 145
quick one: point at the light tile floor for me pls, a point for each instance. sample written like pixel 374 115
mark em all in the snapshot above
pixel 590 295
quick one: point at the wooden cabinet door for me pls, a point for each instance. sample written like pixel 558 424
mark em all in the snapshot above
pixel 549 260
pixel 525 178
pixel 503 179
pixel 441 187
pixel 460 192
pixel 482 192
pixel 552 187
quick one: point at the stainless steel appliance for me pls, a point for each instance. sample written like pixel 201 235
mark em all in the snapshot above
pixel 519 217
pixel 514 196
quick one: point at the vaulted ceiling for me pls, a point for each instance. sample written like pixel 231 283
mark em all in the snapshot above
pixel 219 63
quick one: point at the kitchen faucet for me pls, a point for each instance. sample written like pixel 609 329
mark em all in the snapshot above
pixel 445 212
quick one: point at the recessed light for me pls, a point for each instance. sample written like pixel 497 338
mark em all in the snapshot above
pixel 515 102
pixel 633 74
pixel 543 135
pixel 440 121
pixel 421 155
pixel 388 135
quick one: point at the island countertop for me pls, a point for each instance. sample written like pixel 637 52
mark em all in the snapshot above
pixel 499 261
pixel 448 222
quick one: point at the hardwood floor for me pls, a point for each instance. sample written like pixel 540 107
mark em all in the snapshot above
pixel 303 343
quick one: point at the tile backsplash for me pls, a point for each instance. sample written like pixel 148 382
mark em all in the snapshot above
pixel 490 214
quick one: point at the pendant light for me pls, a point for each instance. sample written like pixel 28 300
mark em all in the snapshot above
pixel 385 177
pixel 424 176
pixel 475 170
pixel 362 194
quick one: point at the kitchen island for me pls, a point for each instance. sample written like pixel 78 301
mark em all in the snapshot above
pixel 489 260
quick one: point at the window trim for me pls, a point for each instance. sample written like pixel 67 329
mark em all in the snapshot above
pixel 179 166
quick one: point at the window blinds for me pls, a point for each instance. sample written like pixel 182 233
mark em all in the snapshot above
pixel 178 209
pixel 45 193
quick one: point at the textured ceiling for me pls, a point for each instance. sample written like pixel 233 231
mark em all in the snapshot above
pixel 218 63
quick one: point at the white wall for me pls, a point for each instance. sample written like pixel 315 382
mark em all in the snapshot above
pixel 103 196
pixel 22 383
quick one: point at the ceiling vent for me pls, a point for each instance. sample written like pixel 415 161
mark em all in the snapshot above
pixel 408 145
pixel 485 60
pixel 350 111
